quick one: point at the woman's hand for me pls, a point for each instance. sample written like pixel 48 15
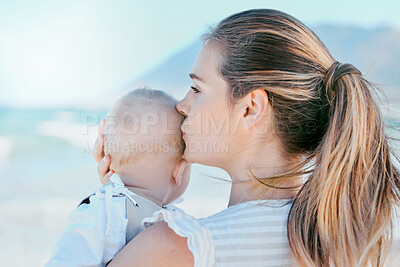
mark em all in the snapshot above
pixel 103 168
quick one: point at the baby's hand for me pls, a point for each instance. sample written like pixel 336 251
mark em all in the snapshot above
pixel 98 148
pixel 103 168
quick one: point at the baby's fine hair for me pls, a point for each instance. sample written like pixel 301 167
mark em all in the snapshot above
pixel 143 122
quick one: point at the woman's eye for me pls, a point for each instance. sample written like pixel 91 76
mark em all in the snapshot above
pixel 195 90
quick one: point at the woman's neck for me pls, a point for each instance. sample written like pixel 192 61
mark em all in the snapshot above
pixel 254 190
pixel 267 163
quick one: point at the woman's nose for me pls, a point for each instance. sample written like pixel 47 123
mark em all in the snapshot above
pixel 181 107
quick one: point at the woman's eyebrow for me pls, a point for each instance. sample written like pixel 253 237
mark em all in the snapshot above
pixel 194 76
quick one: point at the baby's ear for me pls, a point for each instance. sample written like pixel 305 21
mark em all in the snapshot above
pixel 178 171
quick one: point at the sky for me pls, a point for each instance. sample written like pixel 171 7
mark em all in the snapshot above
pixel 55 53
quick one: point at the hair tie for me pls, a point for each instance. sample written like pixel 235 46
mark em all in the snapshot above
pixel 336 71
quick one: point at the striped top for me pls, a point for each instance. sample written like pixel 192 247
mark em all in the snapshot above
pixel 248 234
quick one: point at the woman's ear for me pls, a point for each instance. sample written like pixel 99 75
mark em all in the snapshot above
pixel 178 171
pixel 255 108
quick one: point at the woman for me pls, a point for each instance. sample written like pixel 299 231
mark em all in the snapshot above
pixel 285 108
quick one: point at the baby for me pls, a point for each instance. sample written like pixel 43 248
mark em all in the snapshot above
pixel 143 138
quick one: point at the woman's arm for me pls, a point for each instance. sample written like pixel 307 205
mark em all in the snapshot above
pixel 158 245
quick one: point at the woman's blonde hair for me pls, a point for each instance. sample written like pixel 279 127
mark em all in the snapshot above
pixel 325 112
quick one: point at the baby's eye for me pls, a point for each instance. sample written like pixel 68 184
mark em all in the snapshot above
pixel 195 90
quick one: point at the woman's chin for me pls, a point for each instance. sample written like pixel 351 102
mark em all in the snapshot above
pixel 192 157
pixel 188 156
pixel 200 158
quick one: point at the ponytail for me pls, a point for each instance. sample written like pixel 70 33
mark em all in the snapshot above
pixel 342 214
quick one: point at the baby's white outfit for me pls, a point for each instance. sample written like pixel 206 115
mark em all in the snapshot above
pixel 97 231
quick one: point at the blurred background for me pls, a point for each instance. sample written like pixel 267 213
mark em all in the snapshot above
pixel 64 63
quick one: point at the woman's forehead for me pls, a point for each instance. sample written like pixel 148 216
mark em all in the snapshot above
pixel 207 64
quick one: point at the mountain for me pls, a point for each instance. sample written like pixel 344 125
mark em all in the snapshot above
pixel 173 74
pixel 376 52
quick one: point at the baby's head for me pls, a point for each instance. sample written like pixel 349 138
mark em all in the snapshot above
pixel 143 137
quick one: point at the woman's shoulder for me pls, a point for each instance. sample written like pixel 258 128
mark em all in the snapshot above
pixel 186 225
pixel 201 234
pixel 259 225
pixel 194 231
pixel 158 245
